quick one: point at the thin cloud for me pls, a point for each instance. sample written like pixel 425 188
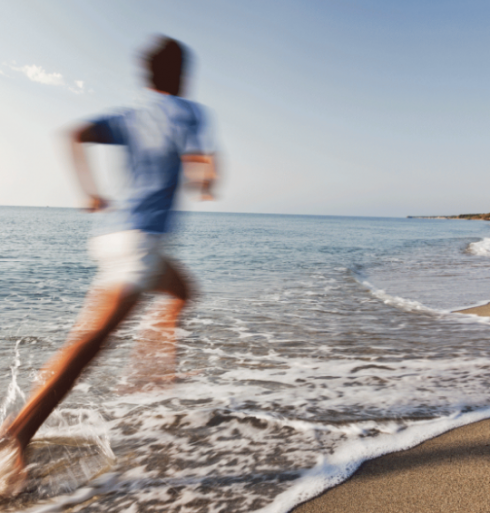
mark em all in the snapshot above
pixel 40 75
pixel 79 87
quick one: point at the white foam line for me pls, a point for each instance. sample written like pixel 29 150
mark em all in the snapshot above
pixel 409 305
pixel 333 470
pixel 399 302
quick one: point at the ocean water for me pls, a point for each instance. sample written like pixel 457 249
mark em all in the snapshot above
pixel 314 343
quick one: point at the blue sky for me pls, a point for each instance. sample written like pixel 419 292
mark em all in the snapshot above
pixel 377 108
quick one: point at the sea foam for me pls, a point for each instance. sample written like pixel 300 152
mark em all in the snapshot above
pixel 480 248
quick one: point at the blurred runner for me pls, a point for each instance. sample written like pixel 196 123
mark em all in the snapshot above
pixel 130 252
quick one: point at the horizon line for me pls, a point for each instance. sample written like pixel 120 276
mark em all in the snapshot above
pixel 239 213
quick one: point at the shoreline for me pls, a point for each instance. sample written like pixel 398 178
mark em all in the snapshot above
pixel 448 473
pixel 481 311
pixel 467 217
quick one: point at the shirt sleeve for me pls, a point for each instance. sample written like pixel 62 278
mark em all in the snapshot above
pixel 199 139
pixel 109 130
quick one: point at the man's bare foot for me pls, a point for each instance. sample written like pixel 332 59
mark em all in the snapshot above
pixel 12 467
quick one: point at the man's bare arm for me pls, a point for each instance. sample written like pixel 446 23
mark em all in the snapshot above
pixel 203 175
pixel 78 137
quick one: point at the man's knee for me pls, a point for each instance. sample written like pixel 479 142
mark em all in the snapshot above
pixel 176 282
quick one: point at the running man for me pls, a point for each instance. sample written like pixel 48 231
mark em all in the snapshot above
pixel 158 138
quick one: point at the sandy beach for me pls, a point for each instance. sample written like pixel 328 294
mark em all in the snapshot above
pixel 482 311
pixel 449 473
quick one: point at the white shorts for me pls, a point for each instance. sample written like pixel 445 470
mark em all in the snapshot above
pixel 130 257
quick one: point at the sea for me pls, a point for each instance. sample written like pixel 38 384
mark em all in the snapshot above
pixel 313 344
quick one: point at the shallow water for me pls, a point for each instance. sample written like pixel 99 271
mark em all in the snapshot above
pixel 315 343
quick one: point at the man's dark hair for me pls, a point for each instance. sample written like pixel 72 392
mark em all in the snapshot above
pixel 166 65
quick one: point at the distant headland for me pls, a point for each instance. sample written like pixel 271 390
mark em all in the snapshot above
pixel 478 217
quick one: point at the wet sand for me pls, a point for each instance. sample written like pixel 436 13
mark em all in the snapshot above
pixel 482 311
pixel 449 473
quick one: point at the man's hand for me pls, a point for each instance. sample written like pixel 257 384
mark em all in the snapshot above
pixel 206 190
pixel 96 203
pixel 200 171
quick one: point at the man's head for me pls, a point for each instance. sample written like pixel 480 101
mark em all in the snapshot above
pixel 166 63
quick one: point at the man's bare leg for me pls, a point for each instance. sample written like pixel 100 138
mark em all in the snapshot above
pixel 101 316
pixel 154 356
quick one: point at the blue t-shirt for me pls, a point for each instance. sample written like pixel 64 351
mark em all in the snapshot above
pixel 155 136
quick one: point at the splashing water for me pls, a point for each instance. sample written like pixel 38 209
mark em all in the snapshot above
pixel 15 397
pixel 12 473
